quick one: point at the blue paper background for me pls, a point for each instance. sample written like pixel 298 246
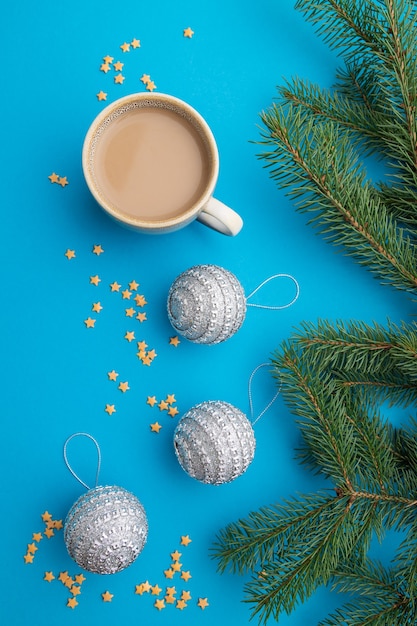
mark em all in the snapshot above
pixel 54 370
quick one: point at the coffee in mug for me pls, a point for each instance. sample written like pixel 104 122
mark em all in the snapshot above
pixel 151 162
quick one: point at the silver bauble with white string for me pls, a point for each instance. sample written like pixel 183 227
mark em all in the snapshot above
pixel 106 528
pixel 214 442
pixel 207 304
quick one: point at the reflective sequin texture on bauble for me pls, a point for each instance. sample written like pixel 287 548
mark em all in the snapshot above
pixel 214 442
pixel 105 530
pixel 206 304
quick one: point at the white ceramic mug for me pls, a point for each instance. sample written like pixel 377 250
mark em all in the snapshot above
pixel 151 162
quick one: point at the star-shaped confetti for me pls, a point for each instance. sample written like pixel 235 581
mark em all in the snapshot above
pixel 173 411
pixel 28 558
pixel 140 300
pixel 110 409
pixel 89 322
pixel 135 43
pixel 150 86
pixel 125 47
pixel 115 286
pixel 49 532
pixel 126 294
pixel 188 32
pixel 118 66
pixel 141 317
pixel 49 577
pixel 202 603
pixel 119 79
pixel 185 575
pixel 70 254
pixel 105 67
pixel 63 181
pixel 130 312
pixel 181 604
pixel 124 386
pixel 169 573
pixel 130 335
pixel 97 249
pixel 156 590
pixel 101 95
pixel 145 79
pixel 72 603
pixel 54 178
pixel 159 604
pixel 108 59
pixel 185 540
pixel 96 307
pixel 107 596
pixel 95 280
pixel 162 405
pixel 151 400
pixel 186 596
pixel 37 537
pixel 174 341
pixel 155 427
pixel 80 578
pixel 133 285
pixel 112 375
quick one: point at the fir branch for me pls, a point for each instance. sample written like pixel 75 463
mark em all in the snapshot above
pixel 329 184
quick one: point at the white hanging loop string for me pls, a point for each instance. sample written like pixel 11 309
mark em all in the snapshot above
pixel 270 403
pixel 275 308
pixel 98 458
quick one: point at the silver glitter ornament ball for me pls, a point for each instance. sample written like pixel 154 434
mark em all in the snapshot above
pixel 214 442
pixel 105 530
pixel 206 304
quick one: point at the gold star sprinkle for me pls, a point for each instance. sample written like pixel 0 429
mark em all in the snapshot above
pixel 162 405
pixel 124 387
pixel 156 590
pixel 53 177
pixel 186 595
pixel 173 411
pixel 145 78
pixel 70 254
pixel 140 300
pixel 96 307
pixel 110 409
pixel 97 249
pixel 49 577
pixel 118 79
pixel 185 540
pixel 181 604
pixel 63 576
pixel 63 181
pixel 125 47
pixel 188 32
pixel 37 537
pixel 139 589
pixel 155 427
pixel 202 603
pixel 174 341
pixel 108 59
pixel 101 95
pixel 89 322
pixel 46 517
pixel 130 312
pixel 176 566
pixel 175 556
pixel 170 599
pixel 80 578
pixel 115 286
pixel 107 596
pixel 130 335
pixel 126 294
pixel 28 558
pixel 72 603
pixel 32 548
pixel 135 43
pixel 112 375
pixel 146 586
pixel 141 317
pixel 105 67
pixel 142 345
pixel 95 280
pixel 185 575
pixel 159 604
pixel 170 399
pixel 75 590
pixel 49 532
pixel 171 591
pixel 146 360
pixel 58 525
pixel 152 354
pixel 133 285
pixel 151 400
pixel 150 86
pixel 118 66
pixel 169 573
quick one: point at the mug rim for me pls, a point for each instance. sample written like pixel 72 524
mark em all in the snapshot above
pixel 130 220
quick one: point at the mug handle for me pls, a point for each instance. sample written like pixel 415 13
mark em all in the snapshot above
pixel 220 217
